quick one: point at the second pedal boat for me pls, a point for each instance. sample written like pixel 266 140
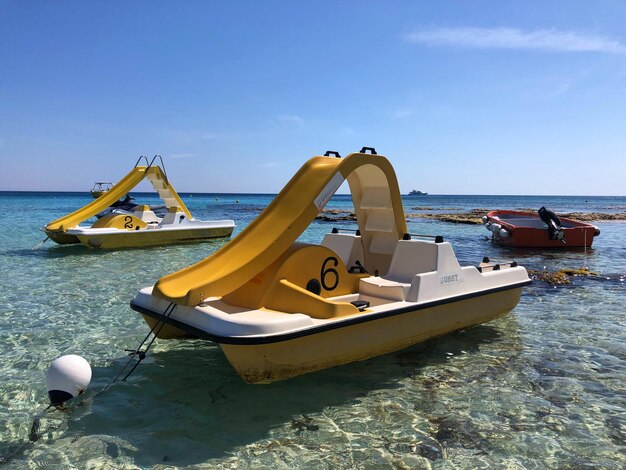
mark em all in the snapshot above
pixel 142 227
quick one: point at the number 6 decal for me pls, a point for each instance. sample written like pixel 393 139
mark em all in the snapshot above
pixel 330 271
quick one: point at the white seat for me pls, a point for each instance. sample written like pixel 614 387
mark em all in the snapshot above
pixel 410 257
pixel 376 286
pixel 347 246
pixel 172 216
pixel 144 213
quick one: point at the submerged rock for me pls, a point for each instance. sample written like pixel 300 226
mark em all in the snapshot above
pixel 593 216
pixel 306 423
pixel 560 277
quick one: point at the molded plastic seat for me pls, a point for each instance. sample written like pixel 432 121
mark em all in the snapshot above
pixel 377 286
pixel 172 216
pixel 144 213
pixel 347 246
pixel 411 257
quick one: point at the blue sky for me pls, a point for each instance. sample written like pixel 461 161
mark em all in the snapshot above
pixel 484 97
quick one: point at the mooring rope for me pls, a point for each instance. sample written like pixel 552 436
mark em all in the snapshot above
pixel 142 354
pixel 40 244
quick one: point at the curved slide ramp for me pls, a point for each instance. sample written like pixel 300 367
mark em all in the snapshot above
pixel 377 200
pixel 56 229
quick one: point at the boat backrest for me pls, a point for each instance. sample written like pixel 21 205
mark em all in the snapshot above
pixel 347 246
pixel 144 213
pixel 412 257
pixel 172 216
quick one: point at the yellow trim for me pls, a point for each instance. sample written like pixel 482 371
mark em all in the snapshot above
pixel 148 237
pixel 260 363
pixel 121 222
pixel 264 240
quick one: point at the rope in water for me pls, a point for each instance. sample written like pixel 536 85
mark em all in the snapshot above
pixel 40 244
pixel 141 355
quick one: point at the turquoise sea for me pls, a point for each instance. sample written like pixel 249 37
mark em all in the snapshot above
pixel 543 387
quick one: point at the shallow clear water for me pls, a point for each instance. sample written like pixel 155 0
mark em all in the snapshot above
pixel 540 388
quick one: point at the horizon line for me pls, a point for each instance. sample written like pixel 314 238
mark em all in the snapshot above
pixel 336 194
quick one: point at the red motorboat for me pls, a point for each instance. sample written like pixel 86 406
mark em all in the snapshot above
pixel 543 229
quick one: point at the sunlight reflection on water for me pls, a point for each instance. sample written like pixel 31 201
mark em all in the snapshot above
pixel 540 388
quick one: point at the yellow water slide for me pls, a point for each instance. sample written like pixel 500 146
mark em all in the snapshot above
pixel 56 229
pixel 377 201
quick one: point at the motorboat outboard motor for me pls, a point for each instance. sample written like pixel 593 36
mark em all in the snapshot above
pixel 554 224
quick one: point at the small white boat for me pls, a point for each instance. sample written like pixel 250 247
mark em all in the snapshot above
pixel 142 227
pixel 279 308
pixel 99 188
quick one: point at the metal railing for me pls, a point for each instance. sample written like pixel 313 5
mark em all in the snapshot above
pixel 151 163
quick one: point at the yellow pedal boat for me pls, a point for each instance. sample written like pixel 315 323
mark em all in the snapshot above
pixel 279 308
pixel 142 227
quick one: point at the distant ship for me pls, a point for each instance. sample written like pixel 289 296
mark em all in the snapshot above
pixel 417 193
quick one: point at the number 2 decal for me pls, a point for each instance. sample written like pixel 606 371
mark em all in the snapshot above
pixel 128 222
pixel 325 272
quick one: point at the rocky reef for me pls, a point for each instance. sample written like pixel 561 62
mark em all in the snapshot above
pixel 560 277
pixel 472 216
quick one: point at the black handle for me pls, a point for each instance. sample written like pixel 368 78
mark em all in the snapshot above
pixel 371 149
pixel 332 152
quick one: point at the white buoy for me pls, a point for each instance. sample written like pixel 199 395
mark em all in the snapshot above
pixel 67 377
pixel 484 219
pixel 504 233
